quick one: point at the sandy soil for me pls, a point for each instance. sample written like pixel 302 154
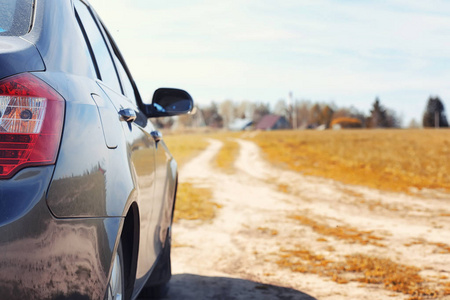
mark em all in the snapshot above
pixel 234 256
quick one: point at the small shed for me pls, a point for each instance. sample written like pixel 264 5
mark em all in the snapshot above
pixel 273 122
pixel 240 124
pixel 346 122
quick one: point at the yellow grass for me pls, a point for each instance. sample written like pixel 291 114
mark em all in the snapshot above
pixel 346 233
pixel 440 248
pixel 393 276
pixel 194 203
pixel 227 155
pixel 365 269
pixel 394 160
pixel 185 146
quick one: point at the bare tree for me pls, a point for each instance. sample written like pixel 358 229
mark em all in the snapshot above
pixel 211 116
pixel 302 109
pixel 261 109
pixel 226 110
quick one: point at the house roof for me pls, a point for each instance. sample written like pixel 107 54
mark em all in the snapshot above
pixel 240 124
pixel 267 122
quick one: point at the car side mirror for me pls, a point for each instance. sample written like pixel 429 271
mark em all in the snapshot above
pixel 169 102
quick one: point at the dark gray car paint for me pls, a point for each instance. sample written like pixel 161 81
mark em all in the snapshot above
pixel 61 224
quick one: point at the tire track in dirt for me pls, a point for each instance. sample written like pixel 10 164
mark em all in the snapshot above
pixel 400 218
pixel 238 250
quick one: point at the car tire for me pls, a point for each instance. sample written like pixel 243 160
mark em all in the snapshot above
pixel 157 286
pixel 116 284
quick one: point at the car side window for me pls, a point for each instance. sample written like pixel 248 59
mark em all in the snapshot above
pixel 126 79
pixel 126 83
pixel 106 69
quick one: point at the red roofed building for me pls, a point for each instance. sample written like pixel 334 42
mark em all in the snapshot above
pixel 273 122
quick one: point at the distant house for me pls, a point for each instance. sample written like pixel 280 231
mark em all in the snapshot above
pixel 240 124
pixel 273 122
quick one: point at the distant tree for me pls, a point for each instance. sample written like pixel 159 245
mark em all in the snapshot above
pixel 434 115
pixel 211 116
pixel 165 122
pixel 199 118
pixel 245 109
pixel 302 109
pixel 261 109
pixel 227 112
pixel 392 120
pixel 326 115
pixel 381 117
pixel 281 108
pixel 342 113
pixel 377 118
pixel 413 124
pixel 352 113
pixel 315 115
pixel 184 121
pixel 320 114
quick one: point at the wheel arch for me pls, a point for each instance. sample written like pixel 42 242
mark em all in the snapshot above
pixel 130 247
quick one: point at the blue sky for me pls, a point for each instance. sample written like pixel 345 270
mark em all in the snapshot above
pixel 346 52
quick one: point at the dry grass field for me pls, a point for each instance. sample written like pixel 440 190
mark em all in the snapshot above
pixel 185 146
pixel 227 155
pixel 395 160
pixel 193 203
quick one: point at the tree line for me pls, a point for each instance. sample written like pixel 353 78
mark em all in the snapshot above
pixel 305 114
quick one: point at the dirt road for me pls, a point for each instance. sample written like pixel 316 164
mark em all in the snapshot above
pixel 267 212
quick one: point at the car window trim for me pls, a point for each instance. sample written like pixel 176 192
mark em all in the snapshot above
pixel 106 42
pixel 108 45
pixel 119 56
pixel 88 43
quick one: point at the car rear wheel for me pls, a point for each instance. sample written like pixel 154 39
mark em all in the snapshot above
pixel 157 286
pixel 116 285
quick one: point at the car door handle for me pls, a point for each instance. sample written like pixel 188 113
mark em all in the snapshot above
pixel 156 135
pixel 127 114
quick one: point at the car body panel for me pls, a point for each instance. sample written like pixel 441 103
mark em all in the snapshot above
pixel 18 55
pixel 49 27
pixel 87 182
pixel 60 225
pixel 44 257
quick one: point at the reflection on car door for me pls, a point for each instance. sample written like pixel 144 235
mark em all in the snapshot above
pixel 141 152
pixel 140 146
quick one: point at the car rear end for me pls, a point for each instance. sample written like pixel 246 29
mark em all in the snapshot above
pixel 42 257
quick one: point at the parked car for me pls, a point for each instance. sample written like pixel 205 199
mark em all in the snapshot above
pixel 87 185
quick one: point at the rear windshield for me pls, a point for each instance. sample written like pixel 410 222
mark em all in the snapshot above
pixel 15 16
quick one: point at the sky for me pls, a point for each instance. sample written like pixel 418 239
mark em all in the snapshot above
pixel 343 52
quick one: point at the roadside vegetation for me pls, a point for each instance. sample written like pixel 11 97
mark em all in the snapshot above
pixel 394 160
pixel 364 269
pixel 359 267
pixel 341 232
pixel 194 203
pixel 227 155
pixel 185 146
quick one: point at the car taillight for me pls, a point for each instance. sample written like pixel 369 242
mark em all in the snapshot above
pixel 31 120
